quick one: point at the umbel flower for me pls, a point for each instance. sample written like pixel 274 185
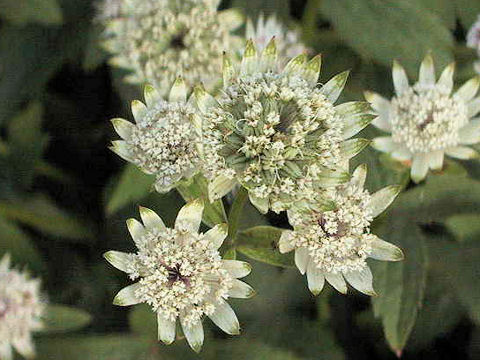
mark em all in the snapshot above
pixel 180 274
pixel 333 244
pixel 21 311
pixel 288 41
pixel 158 39
pixel 275 132
pixel 427 120
pixel 164 141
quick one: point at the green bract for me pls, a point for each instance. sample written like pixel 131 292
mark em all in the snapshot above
pixel 276 132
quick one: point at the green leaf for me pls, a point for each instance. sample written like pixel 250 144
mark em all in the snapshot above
pixel 61 318
pixel 21 12
pixel 457 264
pixel 98 347
pixel 20 247
pixel 441 197
pixel 132 186
pixel 26 143
pixel 214 213
pixel 260 243
pixel 32 54
pixel 465 227
pixel 400 285
pixel 41 213
pixel 440 313
pixel 388 30
pixel 444 9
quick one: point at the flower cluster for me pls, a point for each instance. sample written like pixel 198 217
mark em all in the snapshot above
pixel 275 132
pixel 426 120
pixel 333 241
pixel 288 41
pixel 180 274
pixel 473 41
pixel 164 141
pixel 21 310
pixel 159 39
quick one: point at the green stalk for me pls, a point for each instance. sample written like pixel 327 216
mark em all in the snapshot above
pixel 235 214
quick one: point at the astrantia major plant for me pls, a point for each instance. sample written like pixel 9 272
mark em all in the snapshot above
pixel 164 141
pixel 276 132
pixel 21 310
pixel 332 240
pixel 427 120
pixel 180 274
pixel 160 39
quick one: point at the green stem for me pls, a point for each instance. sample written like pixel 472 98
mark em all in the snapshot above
pixel 235 214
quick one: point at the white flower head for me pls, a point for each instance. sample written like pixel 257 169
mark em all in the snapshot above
pixel 180 274
pixel 164 141
pixel 473 36
pixel 426 120
pixel 275 132
pixel 158 39
pixel 288 40
pixel 333 242
pixel 21 310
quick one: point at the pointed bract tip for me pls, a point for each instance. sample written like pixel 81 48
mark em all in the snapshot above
pixel 197 347
pixel 362 167
pixel 166 342
pixel 251 293
pixel 398 353
pixel 271 46
pixel 368 95
pixel 250 49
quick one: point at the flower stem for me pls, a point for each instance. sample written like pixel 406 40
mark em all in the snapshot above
pixel 235 213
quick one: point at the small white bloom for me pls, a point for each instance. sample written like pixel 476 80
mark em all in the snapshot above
pixel 159 39
pixel 275 132
pixel 427 120
pixel 21 311
pixel 181 274
pixel 332 240
pixel 288 41
pixel 164 141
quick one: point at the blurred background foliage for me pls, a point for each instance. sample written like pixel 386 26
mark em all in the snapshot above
pixel 64 197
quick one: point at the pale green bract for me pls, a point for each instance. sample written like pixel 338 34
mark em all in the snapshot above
pixel 427 120
pixel 21 311
pixel 160 39
pixel 276 132
pixel 164 141
pixel 180 274
pixel 333 242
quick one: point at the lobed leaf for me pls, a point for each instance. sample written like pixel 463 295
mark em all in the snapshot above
pixel 261 243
